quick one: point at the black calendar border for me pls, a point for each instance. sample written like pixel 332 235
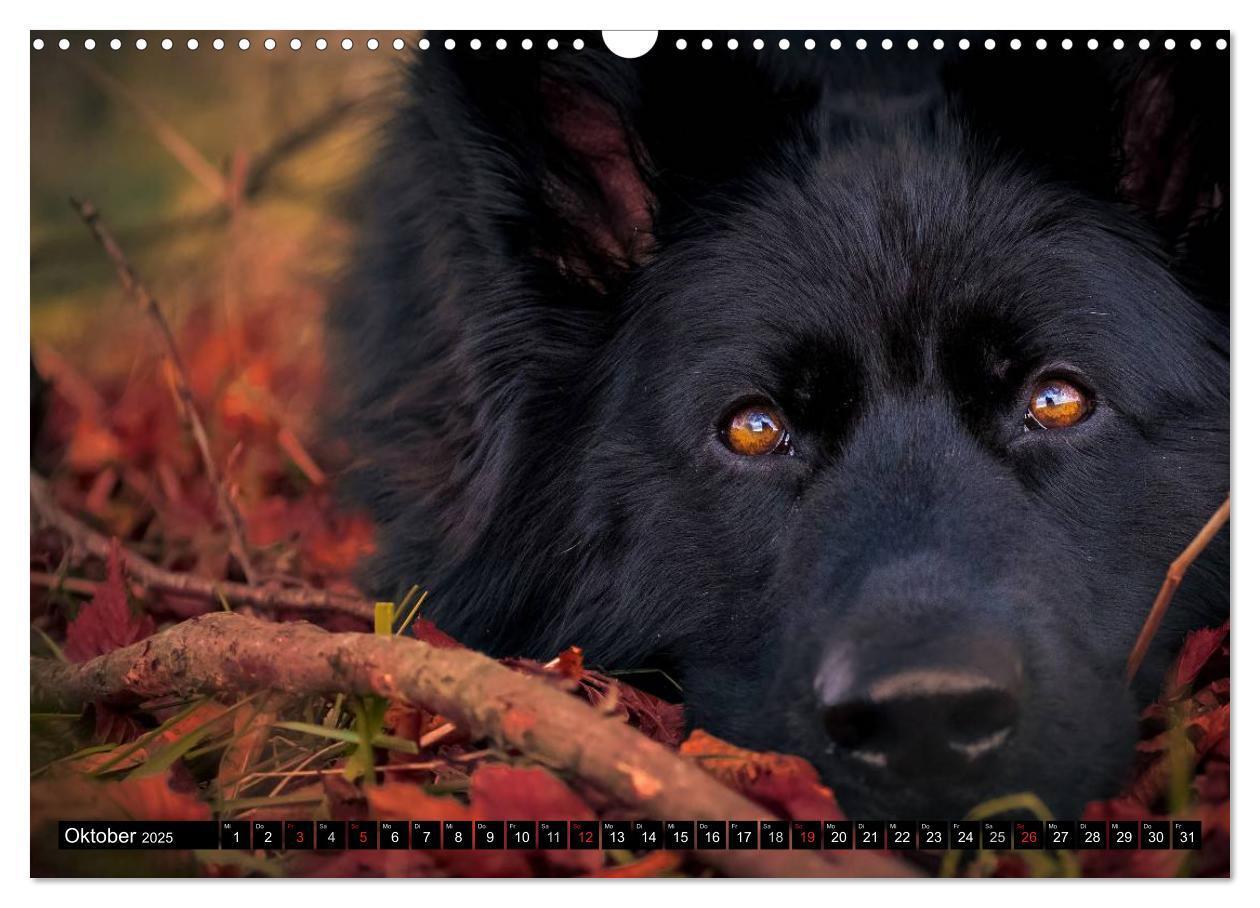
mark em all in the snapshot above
pixel 989 834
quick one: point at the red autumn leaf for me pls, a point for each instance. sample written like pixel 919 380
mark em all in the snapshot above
pixel 401 801
pixel 204 714
pixel 652 864
pixel 659 720
pixel 568 664
pixel 387 863
pixel 1196 652
pixel 114 727
pixel 1189 726
pixel 524 793
pixel 426 630
pixel 107 622
pixel 85 798
pixel 496 792
pixel 783 783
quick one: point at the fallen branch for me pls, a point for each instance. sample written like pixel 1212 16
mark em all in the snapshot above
pixel 233 655
pixel 149 575
pixel 183 393
pixel 1172 580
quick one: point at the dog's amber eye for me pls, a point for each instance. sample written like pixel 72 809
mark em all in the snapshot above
pixel 1057 404
pixel 757 429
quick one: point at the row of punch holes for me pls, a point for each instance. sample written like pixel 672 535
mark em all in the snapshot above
pixel 578 44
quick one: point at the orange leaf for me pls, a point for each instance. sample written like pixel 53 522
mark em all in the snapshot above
pixel 783 783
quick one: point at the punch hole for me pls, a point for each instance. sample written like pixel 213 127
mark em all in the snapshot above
pixel 1170 44
pixel 89 44
pixel 938 44
pixel 1195 43
pixel 38 44
pixel 64 43
pixel 758 44
pixel 578 44
pixel 632 44
pixel 1221 44
pixel 835 43
pixel 1144 44
pixel 193 44
pixel 295 44
pixel 1041 44
pixel 167 44
pixel 115 44
pixel 1118 44
pixel 269 44
pixel 475 44
pixel 861 44
pixel 1067 44
pixel 784 44
pixel 963 44
pixel 1016 44
pixel 449 43
pixel 913 44
pixel 243 44
pixel 707 44
pixel 217 44
pixel 681 44
pixel 424 43
pixel 527 44
pixel 1092 44
pixel 809 44
pixel 501 44
pixel 732 44
pixel 552 44
pixel 886 44
pixel 141 44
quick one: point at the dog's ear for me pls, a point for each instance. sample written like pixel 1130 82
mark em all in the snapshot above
pixel 538 153
pixel 596 185
pixel 1173 138
pixel 575 157
pixel 1150 131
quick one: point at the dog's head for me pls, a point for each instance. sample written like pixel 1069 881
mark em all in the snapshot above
pixel 870 403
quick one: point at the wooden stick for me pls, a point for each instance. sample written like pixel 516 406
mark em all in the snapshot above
pixel 179 147
pixel 233 655
pixel 183 393
pixel 267 596
pixel 1172 580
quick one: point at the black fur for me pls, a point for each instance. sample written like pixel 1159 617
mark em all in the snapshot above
pixel 892 247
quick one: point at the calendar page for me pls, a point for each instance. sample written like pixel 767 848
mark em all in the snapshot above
pixel 630 454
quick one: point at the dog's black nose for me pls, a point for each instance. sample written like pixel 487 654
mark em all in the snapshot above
pixel 923 717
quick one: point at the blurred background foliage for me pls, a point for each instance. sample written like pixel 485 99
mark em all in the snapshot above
pixel 226 175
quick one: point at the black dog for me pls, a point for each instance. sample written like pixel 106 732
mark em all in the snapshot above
pixel 868 394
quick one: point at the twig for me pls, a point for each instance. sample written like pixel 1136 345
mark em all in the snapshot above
pixel 180 148
pixel 1172 580
pixel 258 170
pixel 151 576
pixel 77 585
pixel 292 446
pixel 231 654
pixel 340 770
pixel 184 398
